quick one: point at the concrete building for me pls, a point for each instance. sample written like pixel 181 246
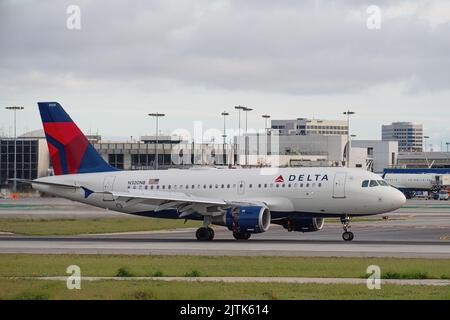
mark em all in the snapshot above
pixel 408 135
pixel 141 155
pixel 380 154
pixel 298 150
pixel 249 150
pixel 423 160
pixel 32 159
pixel 303 126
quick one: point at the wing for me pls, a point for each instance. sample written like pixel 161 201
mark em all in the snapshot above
pixel 185 204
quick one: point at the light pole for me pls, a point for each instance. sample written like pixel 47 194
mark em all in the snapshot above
pixel 348 114
pixel 246 137
pixel 266 130
pixel 426 142
pixel 15 108
pixel 157 116
pixel 224 114
pixel 239 108
pixel 448 144
pixel 266 117
pixel 425 149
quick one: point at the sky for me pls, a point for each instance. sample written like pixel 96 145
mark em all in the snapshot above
pixel 193 59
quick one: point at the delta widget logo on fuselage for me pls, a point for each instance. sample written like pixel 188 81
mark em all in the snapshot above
pixel 303 178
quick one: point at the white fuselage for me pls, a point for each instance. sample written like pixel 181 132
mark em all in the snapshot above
pixel 315 191
pixel 413 181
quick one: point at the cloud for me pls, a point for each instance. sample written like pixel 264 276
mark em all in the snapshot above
pixel 295 47
pixel 194 58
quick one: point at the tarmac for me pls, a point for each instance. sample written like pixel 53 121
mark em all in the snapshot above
pixel 421 229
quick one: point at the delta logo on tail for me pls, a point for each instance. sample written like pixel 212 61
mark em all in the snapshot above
pixel 279 179
pixel 70 151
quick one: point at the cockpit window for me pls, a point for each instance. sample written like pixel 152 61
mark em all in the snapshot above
pixel 373 183
pixel 365 183
pixel 383 183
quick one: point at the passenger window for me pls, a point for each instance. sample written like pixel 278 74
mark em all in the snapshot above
pixel 365 183
pixel 373 183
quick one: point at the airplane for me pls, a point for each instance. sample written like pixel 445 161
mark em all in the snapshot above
pixel 245 201
pixel 409 181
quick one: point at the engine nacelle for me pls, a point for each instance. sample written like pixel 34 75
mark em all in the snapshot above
pixel 304 224
pixel 252 219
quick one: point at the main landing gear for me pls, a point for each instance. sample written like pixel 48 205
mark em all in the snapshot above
pixel 205 233
pixel 347 235
pixel 241 235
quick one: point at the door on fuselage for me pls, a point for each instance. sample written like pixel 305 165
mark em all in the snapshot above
pixel 108 184
pixel 339 185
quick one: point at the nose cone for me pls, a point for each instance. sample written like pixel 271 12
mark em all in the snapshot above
pixel 398 199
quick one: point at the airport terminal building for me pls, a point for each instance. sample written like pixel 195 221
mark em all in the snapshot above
pixel 296 143
pixel 304 126
pixel 32 157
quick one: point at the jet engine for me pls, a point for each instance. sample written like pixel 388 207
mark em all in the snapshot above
pixel 303 224
pixel 248 219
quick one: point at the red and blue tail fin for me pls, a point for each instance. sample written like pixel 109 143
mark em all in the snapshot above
pixel 70 150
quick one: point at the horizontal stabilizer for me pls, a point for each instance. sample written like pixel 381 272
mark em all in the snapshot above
pixel 44 183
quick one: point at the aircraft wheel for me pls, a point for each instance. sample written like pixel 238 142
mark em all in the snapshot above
pixel 347 236
pixel 242 235
pixel 211 233
pixel 204 234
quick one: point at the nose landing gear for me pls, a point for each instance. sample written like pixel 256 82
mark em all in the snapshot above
pixel 347 235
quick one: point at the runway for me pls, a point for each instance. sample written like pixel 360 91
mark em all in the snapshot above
pixel 420 230
pixel 276 242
